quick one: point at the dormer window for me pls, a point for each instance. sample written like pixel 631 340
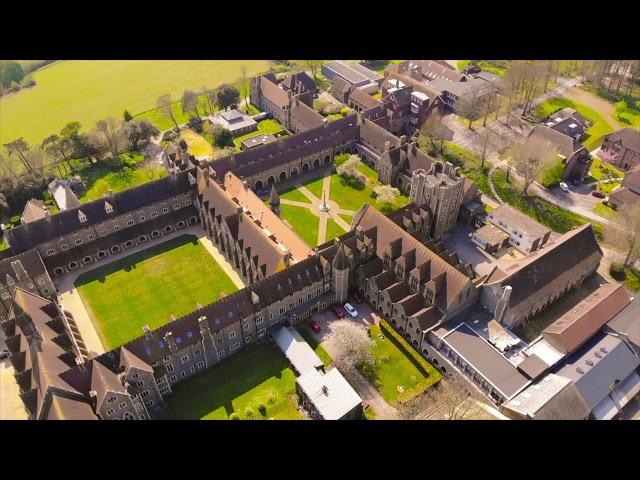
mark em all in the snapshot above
pixel 107 207
pixel 81 216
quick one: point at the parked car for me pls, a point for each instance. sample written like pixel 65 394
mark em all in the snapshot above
pixel 338 310
pixel 564 187
pixel 4 354
pixel 314 325
pixel 598 194
pixel 351 310
pixel 358 297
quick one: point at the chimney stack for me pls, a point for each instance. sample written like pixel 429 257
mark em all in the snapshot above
pixel 171 342
pixel 387 146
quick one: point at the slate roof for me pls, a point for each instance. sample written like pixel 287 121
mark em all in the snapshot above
pixel 624 195
pixel 34 210
pixel 63 408
pixel 341 86
pixel 519 220
pixel 306 83
pixel 363 99
pixel 542 272
pixel 272 92
pixel 629 136
pixel 104 381
pixel 25 237
pixel 347 72
pixel 330 393
pixel 565 144
pixel 306 115
pixel 30 260
pixel 627 322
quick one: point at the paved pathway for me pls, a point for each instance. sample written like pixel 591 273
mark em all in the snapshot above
pixel 71 301
pixel 600 105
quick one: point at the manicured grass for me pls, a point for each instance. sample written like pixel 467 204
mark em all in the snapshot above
pixel 333 230
pixel 101 177
pixel 315 187
pixel 633 279
pixel 346 218
pixel 599 168
pixel 628 116
pixel 295 195
pixel 351 195
pixel 253 110
pixel 607 187
pixel 485 65
pixel 303 222
pixel 553 175
pixel 239 383
pixel 313 343
pixel 265 126
pixel 197 145
pixel 598 129
pixel 89 90
pixel 547 213
pixel 395 368
pixel 146 288
pixel 604 210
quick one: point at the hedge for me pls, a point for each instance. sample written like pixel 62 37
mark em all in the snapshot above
pixel 405 347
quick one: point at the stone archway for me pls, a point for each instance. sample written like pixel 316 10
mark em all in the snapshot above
pixel 327 159
pixel 283 176
pixel 316 163
pixel 305 167
pixel 271 180
pixel 258 185
pixel 294 171
pixel 193 221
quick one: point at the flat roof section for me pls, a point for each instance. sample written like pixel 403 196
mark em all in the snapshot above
pixel 477 352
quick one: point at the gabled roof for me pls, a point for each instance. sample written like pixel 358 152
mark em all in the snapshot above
pixel 519 220
pixel 34 210
pixel 565 144
pixel 630 138
pixel 104 381
pixel 272 92
pixel 306 83
pixel 340 85
pixel 363 99
pixel 63 408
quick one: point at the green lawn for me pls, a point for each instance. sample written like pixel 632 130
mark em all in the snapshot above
pixel 607 187
pixel 599 170
pixel 547 213
pixel 629 117
pixel 351 195
pixel 633 279
pixel 303 222
pixel 258 375
pixel 333 230
pixel 496 67
pixel 396 368
pixel 598 129
pixel 90 90
pixel 101 177
pixel 604 210
pixel 313 343
pixel 346 218
pixel 295 195
pixel 197 145
pixel 265 126
pixel 315 187
pixel 146 288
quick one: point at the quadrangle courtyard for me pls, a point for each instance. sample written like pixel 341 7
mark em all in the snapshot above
pixel 147 287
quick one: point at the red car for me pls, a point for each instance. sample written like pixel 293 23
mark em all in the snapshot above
pixel 598 194
pixel 358 297
pixel 315 326
pixel 338 310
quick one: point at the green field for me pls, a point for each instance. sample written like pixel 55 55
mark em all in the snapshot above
pixel 89 90
pixel 265 126
pixel 600 170
pixel 333 230
pixel 598 129
pixel 196 144
pixel 294 194
pixel 394 368
pixel 315 187
pixel 258 375
pixel 100 178
pixel 146 288
pixel 303 222
pixel 306 333
pixel 352 195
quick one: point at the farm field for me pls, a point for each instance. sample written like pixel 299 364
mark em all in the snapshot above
pixel 89 90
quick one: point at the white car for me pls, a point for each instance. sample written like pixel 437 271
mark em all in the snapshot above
pixel 350 310
pixel 564 187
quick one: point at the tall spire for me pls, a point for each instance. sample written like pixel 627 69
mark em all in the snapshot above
pixel 341 262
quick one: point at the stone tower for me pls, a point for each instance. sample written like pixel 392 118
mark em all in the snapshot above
pixel 274 200
pixel 340 275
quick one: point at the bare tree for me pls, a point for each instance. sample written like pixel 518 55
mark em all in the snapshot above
pixel 484 143
pixel 627 236
pixel 352 346
pixel 450 399
pixel 189 102
pixel 244 86
pixel 166 109
pixel 20 147
pixel 350 169
pixel 313 66
pixel 469 106
pixel 152 169
pixel 434 132
pixel 6 165
pixel 111 132
pixel 530 158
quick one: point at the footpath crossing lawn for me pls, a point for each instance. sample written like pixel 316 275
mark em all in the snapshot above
pixel 146 288
pixel 240 383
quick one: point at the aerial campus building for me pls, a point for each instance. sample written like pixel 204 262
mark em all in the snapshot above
pixel 397 261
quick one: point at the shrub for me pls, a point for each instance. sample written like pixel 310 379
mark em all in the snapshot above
pixel 248 412
pixel 344 111
pixel 127 116
pixel 169 136
pixel 221 136
pixel 15 220
pixel 234 416
pixel 553 175
pixel 617 271
pixel 195 124
pixel 262 409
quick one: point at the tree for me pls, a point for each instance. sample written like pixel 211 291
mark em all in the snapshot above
pixel 352 346
pixel 59 149
pixel 190 102
pixel 484 143
pixel 530 158
pixel 113 135
pixel 212 98
pixel 6 165
pixel 627 236
pixel 127 116
pixel 469 106
pixel 349 169
pixel 165 107
pixel 19 147
pixel 386 193
pixel 139 133
pixel 4 205
pixel 449 400
pixel 244 86
pixel 10 72
pixel 433 133
pixel 226 96
pixel 152 169
pixel 313 66
pixel 195 124
pixel 221 136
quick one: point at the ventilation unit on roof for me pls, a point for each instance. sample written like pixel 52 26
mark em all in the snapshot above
pixel 589 362
pixel 604 350
pixel 580 370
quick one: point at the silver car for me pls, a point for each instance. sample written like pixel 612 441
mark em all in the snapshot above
pixel 351 310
